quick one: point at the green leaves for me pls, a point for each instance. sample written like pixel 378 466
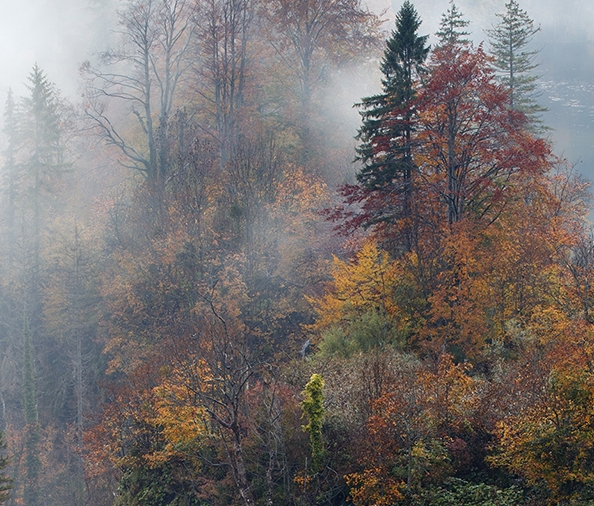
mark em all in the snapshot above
pixel 457 492
pixel 313 408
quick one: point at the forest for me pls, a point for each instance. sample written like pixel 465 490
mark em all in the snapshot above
pixel 211 294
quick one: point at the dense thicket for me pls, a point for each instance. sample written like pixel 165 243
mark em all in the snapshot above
pixel 180 325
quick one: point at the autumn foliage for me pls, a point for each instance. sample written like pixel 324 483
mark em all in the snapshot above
pixel 191 315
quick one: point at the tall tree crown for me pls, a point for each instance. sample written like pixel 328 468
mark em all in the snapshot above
pixel 387 116
pixel 513 61
pixel 42 119
pixel 405 50
pixel 451 28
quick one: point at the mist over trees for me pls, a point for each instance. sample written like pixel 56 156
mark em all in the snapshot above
pixel 205 301
pixel 515 63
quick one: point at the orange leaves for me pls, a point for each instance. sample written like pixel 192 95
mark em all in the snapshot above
pixel 372 488
pixel 473 287
pixel 155 419
pixel 465 290
pixel 546 435
pixel 493 277
pixel 181 419
pixel 413 435
pixel 551 441
pixel 449 391
pixel 488 222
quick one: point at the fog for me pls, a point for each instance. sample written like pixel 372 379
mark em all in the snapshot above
pixel 55 34
pixel 155 248
pixel 59 34
pixel 566 45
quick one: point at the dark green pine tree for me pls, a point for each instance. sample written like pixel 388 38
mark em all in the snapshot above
pixel 5 483
pixel 42 167
pixel 388 118
pixel 451 28
pixel 514 62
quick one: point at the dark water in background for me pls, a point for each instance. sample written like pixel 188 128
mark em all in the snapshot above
pixel 567 87
pixel 570 104
pixel 565 46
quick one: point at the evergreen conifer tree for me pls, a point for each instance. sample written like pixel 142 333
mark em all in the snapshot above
pixel 42 161
pixel 10 176
pixel 41 126
pixel 451 29
pixel 514 63
pixel 388 118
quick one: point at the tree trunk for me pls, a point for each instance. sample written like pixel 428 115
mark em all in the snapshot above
pixel 238 465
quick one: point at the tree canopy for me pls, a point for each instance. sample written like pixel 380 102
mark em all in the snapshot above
pixel 180 324
pixel 514 60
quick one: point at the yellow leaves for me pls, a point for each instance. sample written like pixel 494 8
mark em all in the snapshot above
pixel 302 479
pixel 365 284
pixel 182 422
pixel 541 451
pixel 299 196
pixel 155 420
pixel 365 281
pixel 548 323
pixel 374 487
pixel 550 440
pixel 414 435
pixel 449 394
pixel 181 419
pixel 470 288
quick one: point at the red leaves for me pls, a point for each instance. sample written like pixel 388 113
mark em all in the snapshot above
pixel 472 155
pixel 471 146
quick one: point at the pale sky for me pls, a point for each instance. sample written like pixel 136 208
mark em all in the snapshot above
pixel 56 34
pixel 566 58
pixel 59 35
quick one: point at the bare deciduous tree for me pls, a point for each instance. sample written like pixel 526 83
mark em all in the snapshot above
pixel 310 34
pixel 143 76
pixel 224 30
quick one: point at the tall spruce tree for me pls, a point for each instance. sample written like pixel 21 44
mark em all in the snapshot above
pixel 514 62
pixel 451 28
pixel 42 160
pixel 42 129
pixel 388 118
